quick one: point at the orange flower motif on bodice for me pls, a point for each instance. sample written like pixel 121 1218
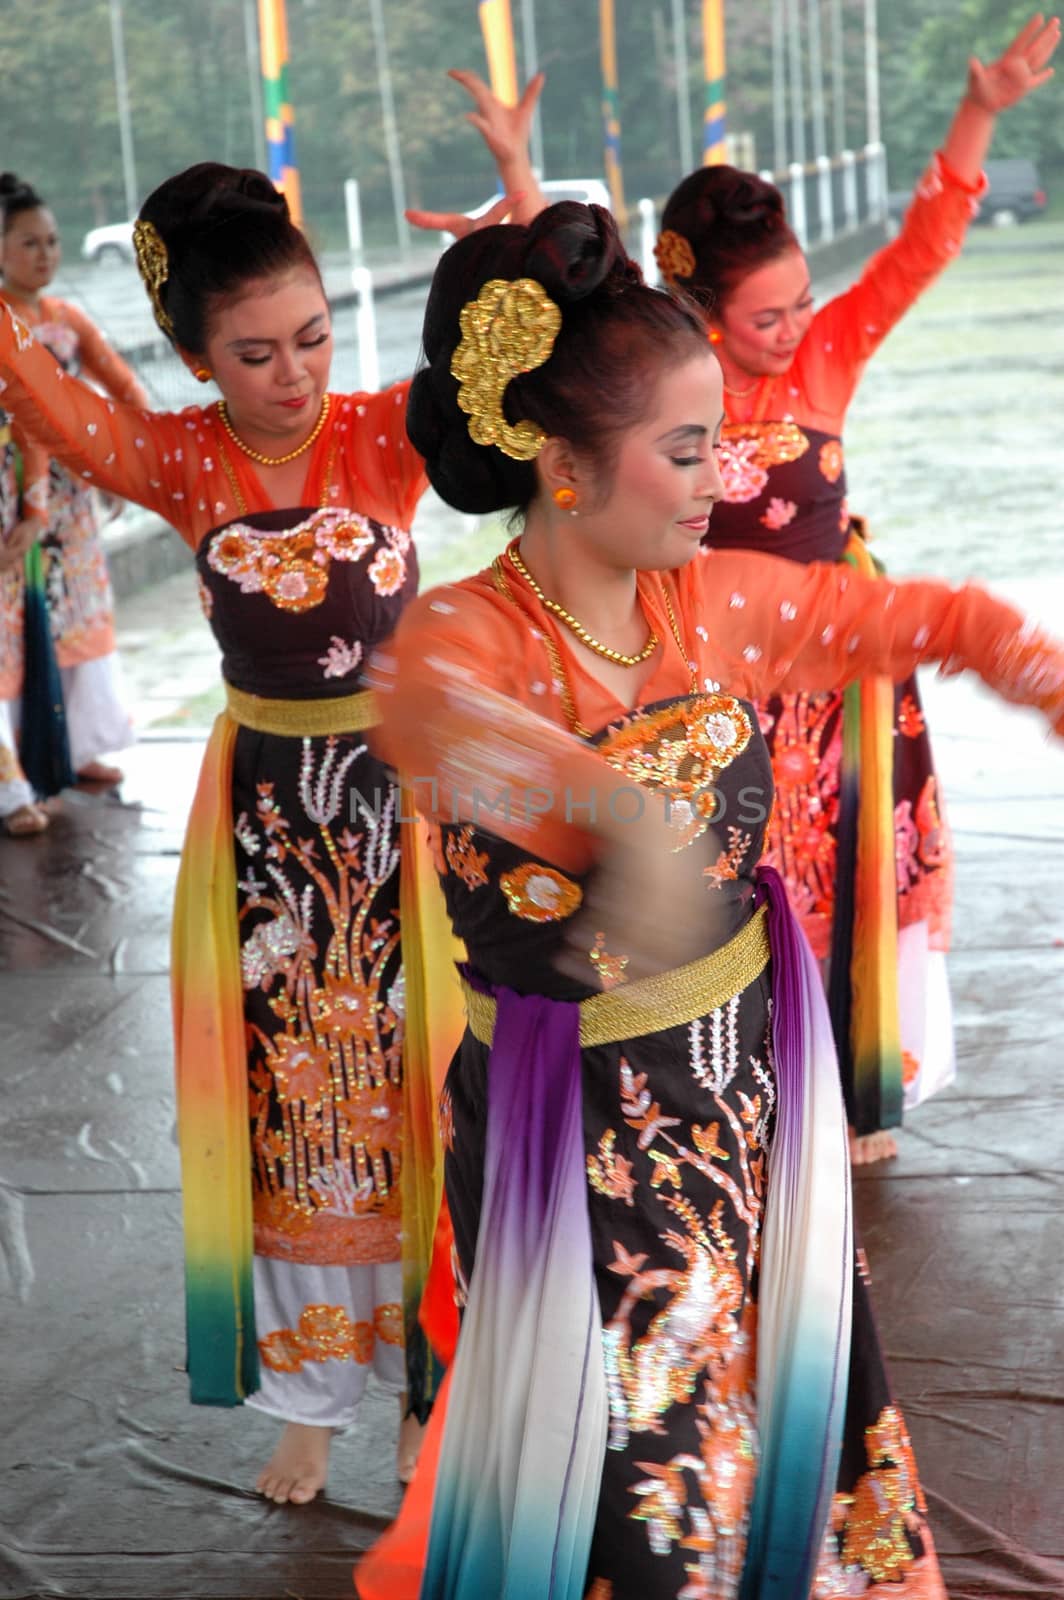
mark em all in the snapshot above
pixel 292 567
pixel 830 460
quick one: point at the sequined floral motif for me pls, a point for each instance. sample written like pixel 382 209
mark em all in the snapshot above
pixel 681 749
pixel 292 567
pixel 540 894
pixel 726 867
pixel 341 658
pixel 327 1333
pixel 830 460
pixel 749 449
pixel 465 860
pixel 320 941
pixel 610 969
pixel 779 514
pixel 872 1525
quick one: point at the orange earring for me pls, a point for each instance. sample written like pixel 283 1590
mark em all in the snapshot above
pixel 715 336
pixel 566 499
pixel 203 374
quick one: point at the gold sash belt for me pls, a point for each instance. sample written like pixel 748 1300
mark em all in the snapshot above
pixel 667 1000
pixel 303 719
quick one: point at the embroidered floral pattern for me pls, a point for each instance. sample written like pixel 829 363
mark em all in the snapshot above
pixel 779 513
pixel 292 567
pixel 830 460
pixel 327 1333
pixel 341 658
pixel 540 894
pixel 465 860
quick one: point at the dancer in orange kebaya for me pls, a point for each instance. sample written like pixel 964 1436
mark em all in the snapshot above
pixel 859 833
pixel 667 1381
pixel 73 584
pixel 294 991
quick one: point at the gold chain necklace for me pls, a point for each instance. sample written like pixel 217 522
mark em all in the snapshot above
pixel 273 461
pixel 616 656
pixel 742 394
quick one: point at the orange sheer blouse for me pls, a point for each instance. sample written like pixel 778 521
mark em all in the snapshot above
pixel 481 689
pixel 181 464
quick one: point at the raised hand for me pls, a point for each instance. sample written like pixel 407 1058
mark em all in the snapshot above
pixel 458 223
pixel 1019 71
pixel 504 129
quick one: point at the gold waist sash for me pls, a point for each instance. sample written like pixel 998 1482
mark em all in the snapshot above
pixel 667 1000
pixel 303 719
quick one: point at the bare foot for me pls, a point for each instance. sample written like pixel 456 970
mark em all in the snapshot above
pixel 100 772
pixel 298 1467
pixel 868 1147
pixel 25 821
pixel 411 1433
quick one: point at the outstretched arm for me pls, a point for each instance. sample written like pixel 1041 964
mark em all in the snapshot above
pixel 107 444
pixel 991 89
pixel 782 626
pixel 102 363
pixel 505 131
pixel 852 326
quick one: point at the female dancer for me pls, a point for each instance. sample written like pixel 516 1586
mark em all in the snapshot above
pixel 646 1157
pixel 288 970
pixel 858 833
pixel 75 581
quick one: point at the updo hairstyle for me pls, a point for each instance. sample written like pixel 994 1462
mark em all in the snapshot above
pixel 734 222
pixel 616 339
pixel 223 227
pixel 16 196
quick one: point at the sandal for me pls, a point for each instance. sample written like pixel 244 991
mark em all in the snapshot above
pixel 25 821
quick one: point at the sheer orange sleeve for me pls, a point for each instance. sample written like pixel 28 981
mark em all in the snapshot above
pixel 35 473
pixel 850 328
pixel 379 456
pixel 778 625
pixel 453 722
pixel 114 446
pixel 102 363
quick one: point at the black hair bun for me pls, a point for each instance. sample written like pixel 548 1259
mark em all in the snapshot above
pixel 208 195
pixel 573 249
pixel 16 194
pixel 723 197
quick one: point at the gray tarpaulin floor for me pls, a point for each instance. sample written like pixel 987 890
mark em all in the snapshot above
pixel 114 1487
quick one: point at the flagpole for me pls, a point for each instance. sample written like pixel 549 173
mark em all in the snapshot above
pixel 497 30
pixel 280 135
pixel 715 117
pixel 531 63
pixel 611 109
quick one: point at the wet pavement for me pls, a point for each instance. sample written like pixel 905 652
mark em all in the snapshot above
pixel 115 1488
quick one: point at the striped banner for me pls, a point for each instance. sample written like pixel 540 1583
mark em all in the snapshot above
pixel 497 28
pixel 715 116
pixel 280 136
pixel 611 109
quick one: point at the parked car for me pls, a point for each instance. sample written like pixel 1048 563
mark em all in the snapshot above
pixel 1015 194
pixel 112 243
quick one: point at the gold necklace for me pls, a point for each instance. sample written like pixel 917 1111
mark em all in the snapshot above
pixel 742 394
pixel 616 656
pixel 273 461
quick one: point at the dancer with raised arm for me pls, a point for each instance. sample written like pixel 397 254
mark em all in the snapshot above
pixel 859 832
pixel 667 1381
pixel 288 968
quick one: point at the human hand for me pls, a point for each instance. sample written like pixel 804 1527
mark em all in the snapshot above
pixel 1019 71
pixel 22 537
pixel 644 885
pixel 504 129
pixel 458 223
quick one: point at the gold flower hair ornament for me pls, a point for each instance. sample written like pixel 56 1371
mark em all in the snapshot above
pixel 674 256
pixel 153 264
pixel 508 329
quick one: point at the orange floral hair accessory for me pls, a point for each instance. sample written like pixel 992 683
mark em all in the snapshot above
pixel 674 256
pixel 508 329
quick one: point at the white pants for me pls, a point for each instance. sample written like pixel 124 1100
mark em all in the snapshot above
pixel 353 1311
pixel 97 723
